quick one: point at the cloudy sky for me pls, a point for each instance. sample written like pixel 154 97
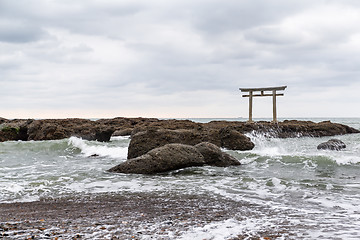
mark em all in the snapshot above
pixel 178 58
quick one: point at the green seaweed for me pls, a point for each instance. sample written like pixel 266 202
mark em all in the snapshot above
pixel 10 129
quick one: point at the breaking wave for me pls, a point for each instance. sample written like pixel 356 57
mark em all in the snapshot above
pixel 91 148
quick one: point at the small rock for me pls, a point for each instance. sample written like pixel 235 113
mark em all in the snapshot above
pixel 332 144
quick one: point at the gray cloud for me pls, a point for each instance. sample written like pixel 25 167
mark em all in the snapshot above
pixel 241 15
pixel 19 31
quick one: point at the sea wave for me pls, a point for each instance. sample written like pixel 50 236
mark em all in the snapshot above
pixel 91 148
pixel 304 149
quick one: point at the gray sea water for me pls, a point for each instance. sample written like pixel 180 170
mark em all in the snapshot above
pixel 316 193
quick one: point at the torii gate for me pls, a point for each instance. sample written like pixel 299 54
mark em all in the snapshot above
pixel 262 94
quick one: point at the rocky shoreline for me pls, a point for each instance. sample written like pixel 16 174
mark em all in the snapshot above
pixel 127 216
pixel 220 133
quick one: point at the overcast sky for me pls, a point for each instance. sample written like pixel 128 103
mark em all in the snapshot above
pixel 178 58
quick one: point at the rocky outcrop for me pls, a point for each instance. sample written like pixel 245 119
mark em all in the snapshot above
pixel 142 142
pixel 64 128
pixel 294 128
pixel 221 133
pixel 52 129
pixel 125 126
pixel 176 156
pixel 214 156
pixel 332 144
pixel 162 159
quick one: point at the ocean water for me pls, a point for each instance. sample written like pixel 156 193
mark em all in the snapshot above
pixel 315 193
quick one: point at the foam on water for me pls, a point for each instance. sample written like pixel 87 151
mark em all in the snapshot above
pixel 89 148
pixel 216 231
pixel 32 170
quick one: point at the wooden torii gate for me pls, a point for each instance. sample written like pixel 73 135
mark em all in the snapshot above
pixel 262 93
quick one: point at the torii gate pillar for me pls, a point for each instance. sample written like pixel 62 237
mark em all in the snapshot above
pixel 262 93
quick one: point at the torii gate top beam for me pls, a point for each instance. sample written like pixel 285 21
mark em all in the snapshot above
pixel 263 89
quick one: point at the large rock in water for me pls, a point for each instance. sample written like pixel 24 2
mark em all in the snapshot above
pixel 142 142
pixel 214 156
pixel 162 159
pixel 332 144
pixel 176 156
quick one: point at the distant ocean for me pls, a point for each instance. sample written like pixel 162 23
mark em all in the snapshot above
pixel 315 193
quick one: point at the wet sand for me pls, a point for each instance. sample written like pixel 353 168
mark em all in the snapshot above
pixel 113 216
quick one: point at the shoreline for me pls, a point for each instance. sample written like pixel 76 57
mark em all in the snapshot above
pixel 130 216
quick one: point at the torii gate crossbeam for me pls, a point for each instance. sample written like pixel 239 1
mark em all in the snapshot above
pixel 262 93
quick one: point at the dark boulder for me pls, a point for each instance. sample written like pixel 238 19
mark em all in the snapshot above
pixel 166 158
pixel 332 144
pixel 214 156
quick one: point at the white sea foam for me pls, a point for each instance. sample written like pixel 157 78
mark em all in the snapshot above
pixel 216 231
pixel 12 187
pixel 345 159
pixel 89 149
pixel 232 228
pixel 277 184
